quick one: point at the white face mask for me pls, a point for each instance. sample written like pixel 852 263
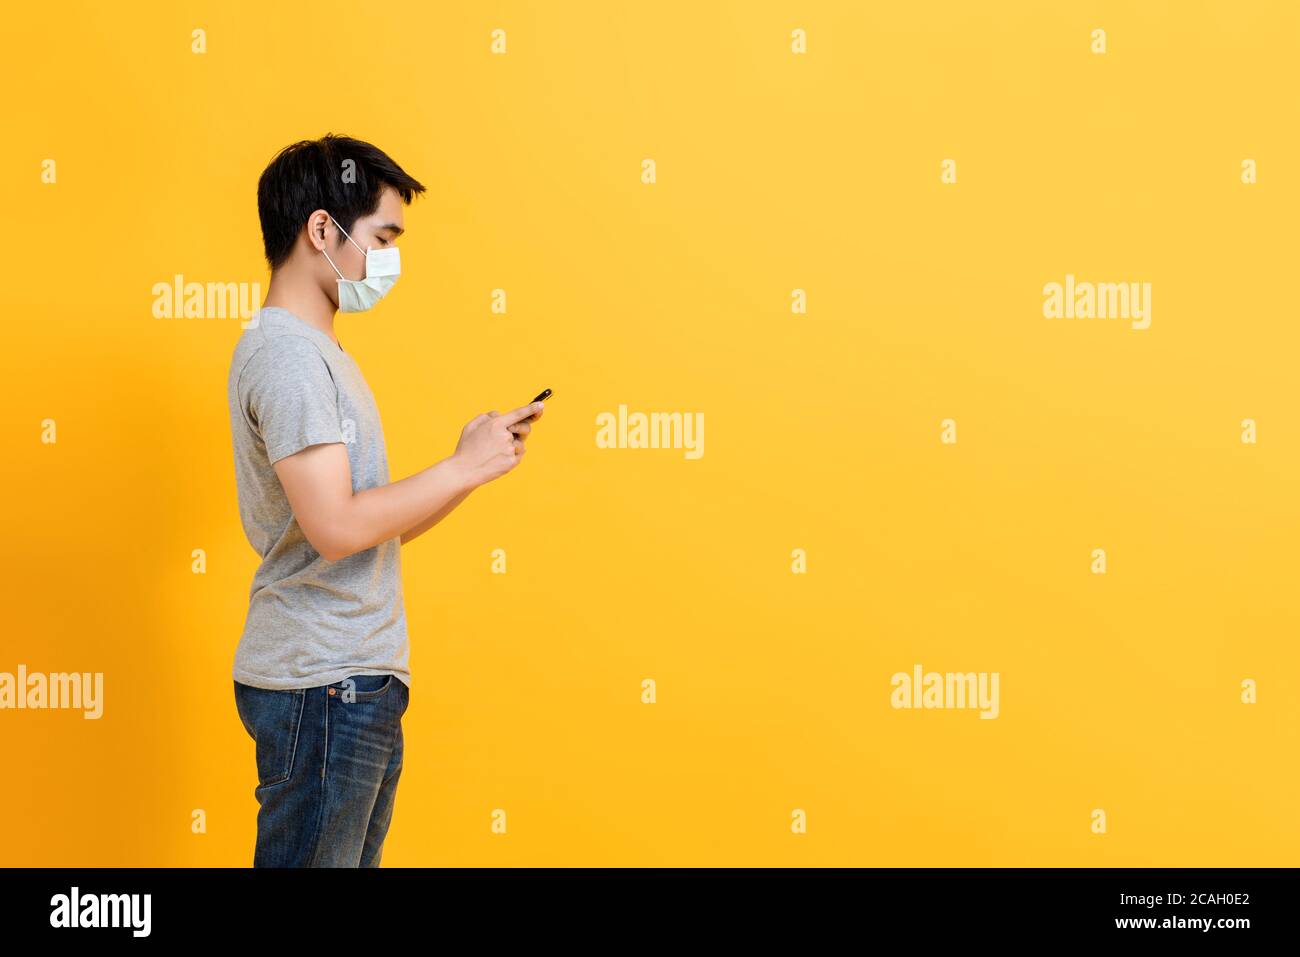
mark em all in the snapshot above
pixel 383 266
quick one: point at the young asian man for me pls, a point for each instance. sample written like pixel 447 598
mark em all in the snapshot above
pixel 321 672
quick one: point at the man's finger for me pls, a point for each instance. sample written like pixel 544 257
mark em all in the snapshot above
pixel 521 413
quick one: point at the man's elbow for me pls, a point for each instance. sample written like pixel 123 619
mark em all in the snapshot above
pixel 331 546
pixel 333 554
pixel 336 551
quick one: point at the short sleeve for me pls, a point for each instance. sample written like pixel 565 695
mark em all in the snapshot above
pixel 290 396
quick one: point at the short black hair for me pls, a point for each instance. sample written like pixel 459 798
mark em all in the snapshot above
pixel 316 174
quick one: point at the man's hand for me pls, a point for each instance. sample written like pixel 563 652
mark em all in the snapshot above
pixel 520 429
pixel 490 444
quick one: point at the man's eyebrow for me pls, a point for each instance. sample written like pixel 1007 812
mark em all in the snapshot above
pixel 397 230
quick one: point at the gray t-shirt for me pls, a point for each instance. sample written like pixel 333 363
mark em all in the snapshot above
pixel 310 621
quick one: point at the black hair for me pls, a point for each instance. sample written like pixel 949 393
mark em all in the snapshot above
pixel 312 175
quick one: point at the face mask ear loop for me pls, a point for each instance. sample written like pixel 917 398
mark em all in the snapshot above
pixel 342 278
pixel 332 266
pixel 345 233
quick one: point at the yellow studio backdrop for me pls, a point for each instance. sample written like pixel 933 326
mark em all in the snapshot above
pixel 839 258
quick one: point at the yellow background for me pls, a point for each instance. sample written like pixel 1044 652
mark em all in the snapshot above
pixel 775 172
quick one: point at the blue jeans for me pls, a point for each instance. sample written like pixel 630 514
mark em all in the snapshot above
pixel 328 760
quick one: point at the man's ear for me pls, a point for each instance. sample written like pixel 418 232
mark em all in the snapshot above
pixel 319 226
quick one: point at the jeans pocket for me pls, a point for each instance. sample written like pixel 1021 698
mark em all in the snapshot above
pixel 357 688
pixel 274 719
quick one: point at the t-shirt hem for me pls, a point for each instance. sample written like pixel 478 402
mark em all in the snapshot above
pixel 313 681
pixel 330 437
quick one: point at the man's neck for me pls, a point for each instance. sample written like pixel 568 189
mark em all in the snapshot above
pixel 305 299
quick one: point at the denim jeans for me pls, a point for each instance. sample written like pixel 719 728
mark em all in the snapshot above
pixel 328 760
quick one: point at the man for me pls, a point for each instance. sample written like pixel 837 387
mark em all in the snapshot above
pixel 321 671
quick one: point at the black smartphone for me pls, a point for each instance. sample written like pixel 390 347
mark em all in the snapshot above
pixel 546 394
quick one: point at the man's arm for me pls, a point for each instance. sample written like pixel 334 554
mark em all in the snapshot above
pixel 339 522
pixel 435 518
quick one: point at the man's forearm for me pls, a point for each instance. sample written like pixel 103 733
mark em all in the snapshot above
pixel 375 515
pixel 435 518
